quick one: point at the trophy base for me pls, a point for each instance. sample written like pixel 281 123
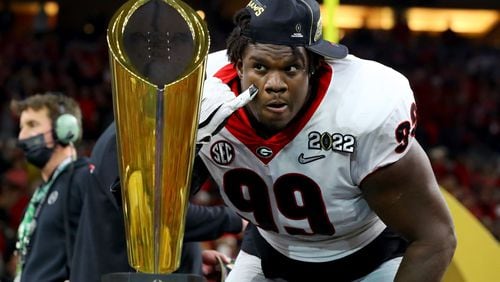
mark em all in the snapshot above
pixel 144 277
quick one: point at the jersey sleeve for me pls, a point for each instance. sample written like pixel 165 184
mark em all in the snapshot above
pixel 389 141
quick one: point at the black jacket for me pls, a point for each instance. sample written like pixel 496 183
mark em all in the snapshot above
pixel 101 244
pixel 51 245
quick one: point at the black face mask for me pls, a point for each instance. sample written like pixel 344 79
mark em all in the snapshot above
pixel 35 149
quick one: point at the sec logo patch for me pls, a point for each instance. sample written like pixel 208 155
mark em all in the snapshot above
pixel 222 152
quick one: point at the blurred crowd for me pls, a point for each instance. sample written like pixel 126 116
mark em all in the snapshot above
pixel 456 83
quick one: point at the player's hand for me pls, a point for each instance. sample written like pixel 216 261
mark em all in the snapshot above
pixel 215 265
pixel 217 104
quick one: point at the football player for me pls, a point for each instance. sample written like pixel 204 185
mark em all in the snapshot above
pixel 323 161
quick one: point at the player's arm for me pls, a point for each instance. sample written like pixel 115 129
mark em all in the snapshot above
pixel 406 197
pixel 210 222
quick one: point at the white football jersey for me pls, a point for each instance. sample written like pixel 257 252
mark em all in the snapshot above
pixel 300 187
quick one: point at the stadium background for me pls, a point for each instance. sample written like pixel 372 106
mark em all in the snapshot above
pixel 450 51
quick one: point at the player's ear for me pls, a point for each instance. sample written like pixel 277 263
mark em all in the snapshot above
pixel 239 68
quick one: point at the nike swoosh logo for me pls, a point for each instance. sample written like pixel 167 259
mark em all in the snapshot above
pixel 306 160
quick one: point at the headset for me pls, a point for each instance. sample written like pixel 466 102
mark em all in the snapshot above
pixel 66 128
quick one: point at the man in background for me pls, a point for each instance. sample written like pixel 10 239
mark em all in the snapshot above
pixel 50 124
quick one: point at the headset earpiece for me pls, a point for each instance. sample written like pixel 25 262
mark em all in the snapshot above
pixel 66 129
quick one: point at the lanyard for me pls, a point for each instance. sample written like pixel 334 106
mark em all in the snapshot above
pixel 28 224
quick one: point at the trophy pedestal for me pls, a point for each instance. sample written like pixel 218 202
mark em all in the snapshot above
pixel 143 277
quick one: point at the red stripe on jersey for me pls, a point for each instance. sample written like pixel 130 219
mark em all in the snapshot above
pixel 239 124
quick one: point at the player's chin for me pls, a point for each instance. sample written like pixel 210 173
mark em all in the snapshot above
pixel 275 124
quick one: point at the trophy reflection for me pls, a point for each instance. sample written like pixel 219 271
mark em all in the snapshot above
pixel 158 52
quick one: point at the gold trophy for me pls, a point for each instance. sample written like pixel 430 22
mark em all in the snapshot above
pixel 158 51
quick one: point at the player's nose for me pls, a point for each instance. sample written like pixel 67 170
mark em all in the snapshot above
pixel 275 83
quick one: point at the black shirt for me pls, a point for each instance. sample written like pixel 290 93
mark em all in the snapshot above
pixel 51 243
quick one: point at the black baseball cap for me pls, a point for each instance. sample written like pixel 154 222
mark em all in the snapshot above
pixel 290 22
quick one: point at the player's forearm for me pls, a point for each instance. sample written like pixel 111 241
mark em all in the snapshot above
pixel 426 261
pixel 210 222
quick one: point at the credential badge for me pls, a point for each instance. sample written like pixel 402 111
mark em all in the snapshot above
pixel 52 197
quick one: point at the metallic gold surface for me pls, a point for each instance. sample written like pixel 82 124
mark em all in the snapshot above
pixel 156 96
